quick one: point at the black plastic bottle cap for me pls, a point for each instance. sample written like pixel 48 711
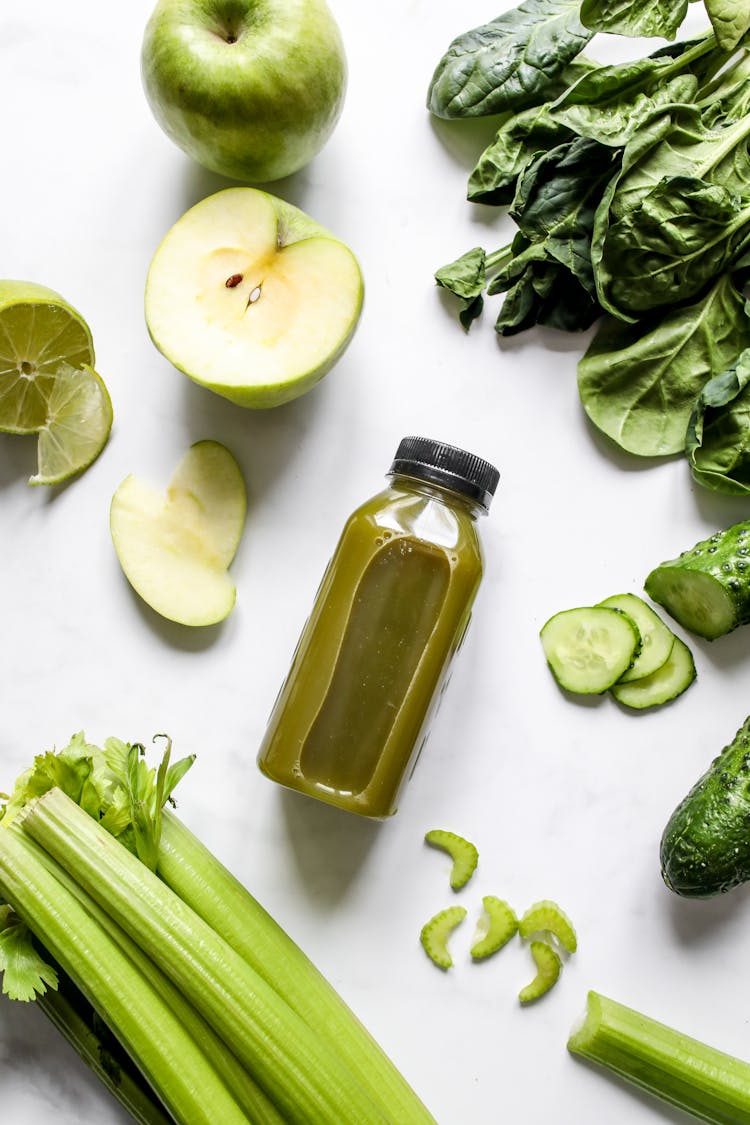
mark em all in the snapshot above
pixel 447 466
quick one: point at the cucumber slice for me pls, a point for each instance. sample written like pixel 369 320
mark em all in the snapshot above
pixel 463 853
pixel 667 682
pixel 548 968
pixel 656 637
pixel 546 917
pixel 589 648
pixel 502 925
pixel 435 934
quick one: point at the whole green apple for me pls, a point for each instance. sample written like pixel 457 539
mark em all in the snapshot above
pixel 250 89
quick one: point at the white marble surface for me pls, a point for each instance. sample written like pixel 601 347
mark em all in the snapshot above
pixel 564 801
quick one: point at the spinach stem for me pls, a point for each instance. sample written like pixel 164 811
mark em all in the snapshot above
pixel 722 80
pixel 498 257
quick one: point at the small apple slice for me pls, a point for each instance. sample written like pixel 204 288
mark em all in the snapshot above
pixel 175 549
pixel 251 298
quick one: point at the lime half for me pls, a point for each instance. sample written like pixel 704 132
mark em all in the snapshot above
pixel 77 422
pixel 39 331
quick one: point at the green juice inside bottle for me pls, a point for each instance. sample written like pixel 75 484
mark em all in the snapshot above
pixel 390 613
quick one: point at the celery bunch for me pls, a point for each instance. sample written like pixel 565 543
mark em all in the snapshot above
pixel 115 912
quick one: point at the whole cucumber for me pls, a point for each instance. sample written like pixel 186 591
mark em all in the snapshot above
pixel 707 589
pixel 705 847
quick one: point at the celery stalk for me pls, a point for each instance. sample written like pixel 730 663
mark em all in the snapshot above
pixel 69 1011
pixel 251 1099
pixel 303 1076
pixel 206 885
pixel 707 1083
pixel 164 1053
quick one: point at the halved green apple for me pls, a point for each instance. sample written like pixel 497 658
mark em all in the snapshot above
pixel 175 548
pixel 251 298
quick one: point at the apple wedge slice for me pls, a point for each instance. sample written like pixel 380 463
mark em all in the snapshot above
pixel 175 548
pixel 251 298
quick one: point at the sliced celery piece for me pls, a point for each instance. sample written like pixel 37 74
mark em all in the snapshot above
pixel 684 1072
pixel 548 968
pixel 463 853
pixel 502 925
pixel 546 917
pixel 435 933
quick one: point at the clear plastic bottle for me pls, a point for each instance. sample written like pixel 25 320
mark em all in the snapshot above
pixel 391 611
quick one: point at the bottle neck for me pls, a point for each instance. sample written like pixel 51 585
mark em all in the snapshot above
pixel 438 492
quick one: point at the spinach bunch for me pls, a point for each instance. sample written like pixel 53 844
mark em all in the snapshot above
pixel 630 191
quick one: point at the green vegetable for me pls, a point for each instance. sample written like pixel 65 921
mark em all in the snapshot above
pixel 681 1071
pixel 205 884
pixel 543 292
pixel 502 925
pixel 554 207
pixel 718 433
pixel 103 782
pixel 546 917
pixel 249 1096
pixel 590 647
pixel 435 933
pixel 301 1074
pixel 730 20
pixel 548 968
pixel 173 1064
pixel 463 853
pixel 656 639
pixel 674 676
pixel 685 233
pixel 630 189
pixel 705 847
pixel 635 17
pixel 466 279
pixel 510 62
pixel 638 382
pixel 707 588
pixel 68 1010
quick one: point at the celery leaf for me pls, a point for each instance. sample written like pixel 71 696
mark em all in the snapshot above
pixel 25 974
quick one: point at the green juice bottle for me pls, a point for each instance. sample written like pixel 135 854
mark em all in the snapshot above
pixel 391 611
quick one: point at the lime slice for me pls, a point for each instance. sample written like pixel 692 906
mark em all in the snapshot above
pixel 77 424
pixel 39 331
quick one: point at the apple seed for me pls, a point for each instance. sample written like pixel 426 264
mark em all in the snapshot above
pixel 235 279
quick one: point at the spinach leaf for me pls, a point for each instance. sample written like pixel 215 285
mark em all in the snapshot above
pixel 730 20
pixel 545 293
pixel 705 141
pixel 466 279
pixel 608 104
pixel 718 433
pixel 635 17
pixel 645 223
pixel 613 121
pixel 494 177
pixel 510 63
pixel 556 202
pixel 698 57
pixel 683 234
pixel 638 382
pixel 549 279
